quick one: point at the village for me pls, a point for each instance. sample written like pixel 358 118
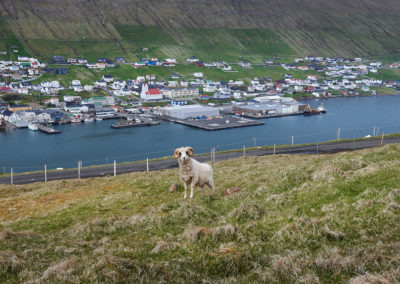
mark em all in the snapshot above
pixel 26 101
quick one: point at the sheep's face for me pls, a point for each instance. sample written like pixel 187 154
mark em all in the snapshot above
pixel 184 153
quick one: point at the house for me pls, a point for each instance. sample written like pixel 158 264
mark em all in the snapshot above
pixel 139 64
pixel 175 75
pixel 193 59
pixel 76 108
pixel 82 61
pixel 16 108
pixel 88 88
pixel 120 59
pixel 150 93
pixel 100 84
pixel 72 60
pixel 58 59
pixel 70 98
pixel 180 92
pixel 76 83
pixel 170 62
pixel 198 75
pixel 101 65
pixel 33 72
pixel 108 78
pixel 61 71
pixel 150 77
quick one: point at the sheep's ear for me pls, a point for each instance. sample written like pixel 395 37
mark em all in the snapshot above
pixel 177 153
pixel 190 151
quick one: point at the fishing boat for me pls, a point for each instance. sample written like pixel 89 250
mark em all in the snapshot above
pixel 311 111
pixel 321 108
pixel 33 127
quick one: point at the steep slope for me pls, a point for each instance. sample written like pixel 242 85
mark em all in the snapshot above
pixel 303 219
pixel 340 27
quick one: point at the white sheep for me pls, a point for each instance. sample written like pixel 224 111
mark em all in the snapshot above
pixel 193 172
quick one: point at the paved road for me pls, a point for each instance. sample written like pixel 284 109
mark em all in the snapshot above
pixel 172 163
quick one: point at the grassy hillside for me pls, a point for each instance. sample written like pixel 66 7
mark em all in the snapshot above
pixel 327 218
pixel 224 29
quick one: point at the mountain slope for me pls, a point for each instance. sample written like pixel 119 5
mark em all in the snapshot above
pixel 298 218
pixel 340 27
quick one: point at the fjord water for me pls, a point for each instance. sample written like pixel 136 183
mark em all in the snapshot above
pixel 97 143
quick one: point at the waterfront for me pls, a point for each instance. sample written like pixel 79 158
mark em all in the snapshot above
pixel 97 143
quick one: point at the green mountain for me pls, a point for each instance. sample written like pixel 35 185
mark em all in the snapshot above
pixel 212 29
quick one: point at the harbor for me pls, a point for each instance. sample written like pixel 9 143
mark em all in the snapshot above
pixel 97 143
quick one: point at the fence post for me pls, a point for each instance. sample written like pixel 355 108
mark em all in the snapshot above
pixel 383 134
pixel 255 141
pixel 292 140
pixel 147 164
pixel 373 132
pixel 244 151
pixel 274 149
pixel 115 168
pixel 338 134
pixel 12 177
pixel 79 169
pixel 45 173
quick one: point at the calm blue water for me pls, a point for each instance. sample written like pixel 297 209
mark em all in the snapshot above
pixel 97 143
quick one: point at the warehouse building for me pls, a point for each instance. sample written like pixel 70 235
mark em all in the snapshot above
pixel 188 111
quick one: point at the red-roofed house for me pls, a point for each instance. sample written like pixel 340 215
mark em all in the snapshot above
pixel 150 94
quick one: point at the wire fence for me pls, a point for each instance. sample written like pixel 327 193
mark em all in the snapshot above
pixel 255 141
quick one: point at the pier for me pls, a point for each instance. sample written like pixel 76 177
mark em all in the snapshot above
pixel 134 123
pixel 47 130
pixel 226 122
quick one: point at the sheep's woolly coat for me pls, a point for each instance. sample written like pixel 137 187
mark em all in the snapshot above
pixel 196 173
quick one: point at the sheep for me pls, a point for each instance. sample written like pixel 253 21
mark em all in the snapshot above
pixel 193 172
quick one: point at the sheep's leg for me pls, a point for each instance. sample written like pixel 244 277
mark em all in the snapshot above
pixel 211 185
pixel 202 189
pixel 185 185
pixel 191 190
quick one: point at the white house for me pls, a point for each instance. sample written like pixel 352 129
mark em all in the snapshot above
pixel 198 75
pixel 76 83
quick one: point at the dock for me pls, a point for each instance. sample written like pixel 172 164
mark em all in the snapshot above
pixel 47 130
pixel 226 122
pixel 132 123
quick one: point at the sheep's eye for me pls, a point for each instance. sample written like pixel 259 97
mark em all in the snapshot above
pixel 187 152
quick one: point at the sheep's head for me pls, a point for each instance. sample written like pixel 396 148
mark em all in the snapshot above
pixel 184 153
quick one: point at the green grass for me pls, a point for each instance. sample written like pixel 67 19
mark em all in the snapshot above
pixel 305 218
pixel 386 74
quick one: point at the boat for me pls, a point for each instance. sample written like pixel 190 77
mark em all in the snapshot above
pixel 3 124
pixel 33 127
pixel 76 120
pixel 321 108
pixel 312 111
pixel 98 119
pixel 89 119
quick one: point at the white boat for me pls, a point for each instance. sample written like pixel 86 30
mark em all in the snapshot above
pixel 321 108
pixel 76 120
pixel 99 119
pixel 33 127
pixel 89 119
